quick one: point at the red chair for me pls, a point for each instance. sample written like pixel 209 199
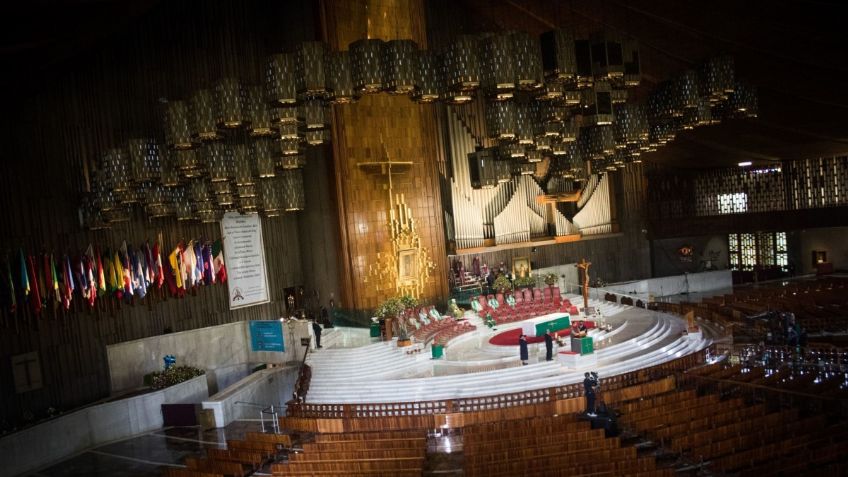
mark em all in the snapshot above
pixel 573 311
pixel 500 298
pixel 537 295
pixel 528 295
pixel 547 294
pixel 519 299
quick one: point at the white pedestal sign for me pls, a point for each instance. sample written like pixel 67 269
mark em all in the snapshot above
pixel 244 255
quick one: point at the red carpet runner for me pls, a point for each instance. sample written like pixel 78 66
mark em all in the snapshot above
pixel 510 338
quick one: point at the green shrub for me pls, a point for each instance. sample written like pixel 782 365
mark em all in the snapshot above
pixel 172 376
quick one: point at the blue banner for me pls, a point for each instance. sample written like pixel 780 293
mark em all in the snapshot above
pixel 266 336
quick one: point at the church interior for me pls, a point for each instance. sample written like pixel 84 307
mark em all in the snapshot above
pixel 424 237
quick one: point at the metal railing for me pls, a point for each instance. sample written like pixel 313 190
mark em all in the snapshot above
pixel 266 410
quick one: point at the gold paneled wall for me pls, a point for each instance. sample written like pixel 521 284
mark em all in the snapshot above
pixel 367 131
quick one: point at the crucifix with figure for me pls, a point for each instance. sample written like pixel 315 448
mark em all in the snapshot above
pixel 584 265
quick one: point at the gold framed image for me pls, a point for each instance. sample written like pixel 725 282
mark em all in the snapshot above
pixel 407 266
pixel 521 267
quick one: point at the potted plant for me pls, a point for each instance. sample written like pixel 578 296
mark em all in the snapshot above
pixel 551 279
pixel 394 308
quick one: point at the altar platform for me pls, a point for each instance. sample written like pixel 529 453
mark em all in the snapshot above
pixel 472 366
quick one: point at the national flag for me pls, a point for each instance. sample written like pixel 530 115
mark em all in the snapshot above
pixel 158 272
pixel 119 275
pixel 43 277
pixel 101 273
pixel 140 274
pixel 175 260
pixel 67 283
pixel 80 277
pixel 198 262
pixel 169 277
pixel 24 275
pixel 220 269
pixel 55 279
pixel 149 271
pixel 208 275
pixel 91 274
pixel 189 263
pixel 126 268
pixel 35 295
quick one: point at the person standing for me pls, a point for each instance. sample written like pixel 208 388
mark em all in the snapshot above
pixel 589 392
pixel 522 344
pixel 316 328
pixel 549 346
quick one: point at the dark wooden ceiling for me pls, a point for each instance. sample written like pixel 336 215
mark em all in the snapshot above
pixel 795 52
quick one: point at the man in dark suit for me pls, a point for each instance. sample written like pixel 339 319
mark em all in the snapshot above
pixel 522 345
pixel 316 328
pixel 549 346
pixel 589 384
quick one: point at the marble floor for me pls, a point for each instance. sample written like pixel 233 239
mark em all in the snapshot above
pixel 148 454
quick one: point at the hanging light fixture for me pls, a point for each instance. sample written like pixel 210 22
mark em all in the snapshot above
pixel 428 77
pixel 501 120
pixel 526 115
pixel 92 217
pixel 462 64
pixel 219 162
pixel 717 78
pixel 182 206
pixel 119 214
pixel 632 65
pixel 245 165
pixel 289 131
pixel 534 155
pixel 597 141
pixel 157 195
pixel 247 205
pixel 280 88
pixel 246 190
pixel 607 58
pixel 210 215
pixel 219 188
pixel 316 137
pixel 230 104
pixel 289 147
pixel 177 133
pixel 188 163
pixel 261 149
pixel 283 115
pixel 295 161
pixel 204 127
pixel 599 108
pixel 498 78
pixel 144 159
pixel 227 201
pixel 270 192
pixel 743 102
pixel 511 150
pixel 686 94
pixel 168 172
pixel 366 62
pixel 199 190
pixel 399 62
pixel 311 115
pixel 559 59
pixel 529 74
pixel 631 124
pixel 482 168
pixel 523 168
pixel 618 96
pixel 570 130
pixel 339 78
pixel 116 167
pixel 583 55
pixel 258 113
pixel 294 197
pixel 551 92
pixel 104 199
pixel 310 68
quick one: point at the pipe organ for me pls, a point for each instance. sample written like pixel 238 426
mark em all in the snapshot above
pixel 595 216
pixel 509 212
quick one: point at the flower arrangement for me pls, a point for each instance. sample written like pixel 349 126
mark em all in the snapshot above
pixel 551 279
pixel 502 283
pixel 171 376
pixel 524 282
pixel 394 307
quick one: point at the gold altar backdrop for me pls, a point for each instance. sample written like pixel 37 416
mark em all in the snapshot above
pixel 375 129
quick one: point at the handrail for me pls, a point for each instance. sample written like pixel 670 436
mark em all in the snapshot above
pixel 304 377
pixel 682 377
pixel 499 401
